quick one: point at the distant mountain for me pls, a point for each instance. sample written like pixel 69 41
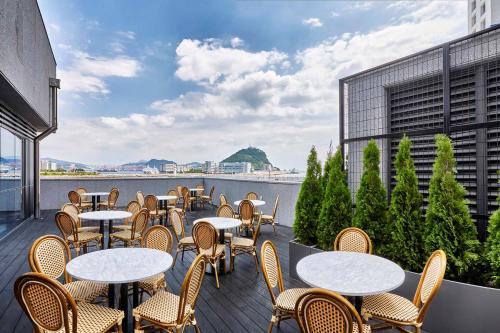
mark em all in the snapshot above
pixel 153 163
pixel 9 159
pixel 67 164
pixel 257 157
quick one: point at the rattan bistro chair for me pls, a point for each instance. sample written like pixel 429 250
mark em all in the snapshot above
pixel 82 191
pixel 271 219
pixel 167 311
pixel 252 196
pixel 157 237
pixel 171 204
pixel 241 245
pixel 222 199
pixel 184 208
pixel 49 255
pixel 206 240
pixel 246 214
pixel 400 312
pixel 133 236
pixel 51 308
pixel 320 311
pixel 226 211
pixel 75 198
pixel 69 230
pixel 155 213
pixel 112 199
pixel 133 207
pixel 284 302
pixel 207 199
pixel 187 199
pixel 73 211
pixel 139 197
pixel 184 243
pixel 353 240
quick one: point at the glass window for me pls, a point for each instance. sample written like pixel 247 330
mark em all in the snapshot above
pixel 473 5
pixel 473 22
pixel 483 24
pixel 483 8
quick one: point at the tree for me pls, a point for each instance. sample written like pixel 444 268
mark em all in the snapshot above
pixel 371 199
pixel 308 204
pixel 405 215
pixel 326 168
pixel 336 209
pixel 492 248
pixel 449 226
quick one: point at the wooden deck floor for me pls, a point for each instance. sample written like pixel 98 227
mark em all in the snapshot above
pixel 242 304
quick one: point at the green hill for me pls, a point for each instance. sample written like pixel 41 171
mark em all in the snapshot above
pixel 253 155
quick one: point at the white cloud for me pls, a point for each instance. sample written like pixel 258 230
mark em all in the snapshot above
pixel 334 14
pixel 126 34
pixel 312 22
pixel 362 5
pixel 75 81
pixel 236 42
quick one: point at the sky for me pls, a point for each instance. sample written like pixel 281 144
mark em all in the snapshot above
pixel 198 80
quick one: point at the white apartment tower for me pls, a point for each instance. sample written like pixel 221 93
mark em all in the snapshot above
pixel 482 14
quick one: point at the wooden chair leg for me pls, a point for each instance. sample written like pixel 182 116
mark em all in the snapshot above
pixel 216 275
pixel 175 258
pixel 256 261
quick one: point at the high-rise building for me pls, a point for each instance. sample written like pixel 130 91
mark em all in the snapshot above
pixel 28 106
pixel 168 168
pixel 210 167
pixel 454 89
pixel 235 167
pixel 482 14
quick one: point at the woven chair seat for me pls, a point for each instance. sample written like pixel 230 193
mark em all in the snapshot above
pixel 85 204
pixel 88 229
pixel 242 242
pixel 95 319
pixel 85 236
pixel 158 212
pixel 247 223
pixel 187 240
pixel 162 308
pixel 366 328
pixel 125 235
pixel 266 217
pixel 390 306
pixel 86 291
pixel 153 284
pixel 287 299
pixel 207 197
pixel 208 252
pixel 228 235
pixel 123 227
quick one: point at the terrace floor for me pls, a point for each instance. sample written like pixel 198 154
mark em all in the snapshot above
pixel 242 304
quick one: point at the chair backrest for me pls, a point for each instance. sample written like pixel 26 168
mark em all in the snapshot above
pixel 46 303
pixel 185 202
pixel 275 209
pixel 139 197
pixel 132 207
pixel 246 210
pixel 205 237
pixel 151 202
pixel 179 190
pixel 177 225
pixel 140 222
pixel 74 198
pixel 190 288
pixel 73 211
pixel 81 190
pixel 184 191
pixel 271 267
pixel 49 255
pixel 430 282
pixel 212 189
pixel 353 240
pixel 172 202
pixel 252 196
pixel 225 211
pixel 319 310
pixel 222 199
pixel 256 233
pixel 67 226
pixel 201 189
pixel 158 237
pixel 113 197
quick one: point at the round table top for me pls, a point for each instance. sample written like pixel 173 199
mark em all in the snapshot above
pixel 350 273
pixel 120 265
pixel 256 203
pixel 196 189
pixel 166 197
pixel 221 223
pixel 94 194
pixel 105 215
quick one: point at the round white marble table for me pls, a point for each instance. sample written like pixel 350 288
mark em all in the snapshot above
pixel 350 273
pixel 221 223
pixel 163 204
pixel 193 192
pixel 120 266
pixel 96 197
pixel 256 203
pixel 105 215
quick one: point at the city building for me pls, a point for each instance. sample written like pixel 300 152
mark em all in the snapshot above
pixel 453 88
pixel 28 106
pixel 210 167
pixel 168 168
pixel 235 167
pixel 47 165
pixel 482 14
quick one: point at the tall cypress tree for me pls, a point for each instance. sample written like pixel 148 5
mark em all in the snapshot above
pixel 371 199
pixel 492 247
pixel 449 226
pixel 308 204
pixel 336 209
pixel 406 220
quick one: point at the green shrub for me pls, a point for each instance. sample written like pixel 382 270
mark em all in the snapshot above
pixel 405 215
pixel 371 199
pixel 336 209
pixel 308 204
pixel 492 248
pixel 448 223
